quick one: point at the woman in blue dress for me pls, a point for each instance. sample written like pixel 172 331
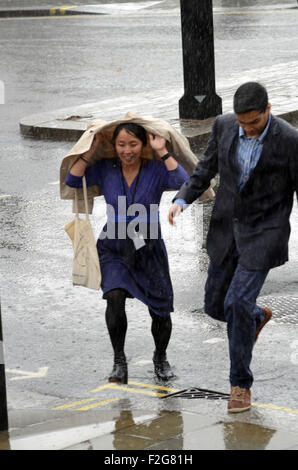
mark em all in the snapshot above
pixel 132 253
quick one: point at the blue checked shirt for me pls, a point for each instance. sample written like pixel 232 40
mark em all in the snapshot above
pixel 248 152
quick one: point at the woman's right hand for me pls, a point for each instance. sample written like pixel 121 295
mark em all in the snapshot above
pixel 174 211
pixel 79 167
pixel 89 154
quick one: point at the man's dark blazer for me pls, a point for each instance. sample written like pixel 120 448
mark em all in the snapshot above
pixel 256 218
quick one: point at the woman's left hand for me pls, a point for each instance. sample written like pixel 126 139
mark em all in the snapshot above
pixel 158 144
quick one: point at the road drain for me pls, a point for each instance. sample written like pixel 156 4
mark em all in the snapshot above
pixel 193 393
pixel 284 308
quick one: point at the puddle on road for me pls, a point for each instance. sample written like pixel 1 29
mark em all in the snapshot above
pixel 137 430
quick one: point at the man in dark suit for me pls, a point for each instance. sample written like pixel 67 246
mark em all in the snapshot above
pixel 256 156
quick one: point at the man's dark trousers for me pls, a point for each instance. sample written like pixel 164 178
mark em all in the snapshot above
pixel 230 295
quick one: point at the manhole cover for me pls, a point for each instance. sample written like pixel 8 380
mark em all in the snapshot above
pixel 285 309
pixel 199 393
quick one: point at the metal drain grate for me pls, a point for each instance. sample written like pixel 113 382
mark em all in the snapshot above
pixel 199 393
pixel 285 309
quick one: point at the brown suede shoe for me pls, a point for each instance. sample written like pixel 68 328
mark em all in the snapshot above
pixel 268 315
pixel 239 400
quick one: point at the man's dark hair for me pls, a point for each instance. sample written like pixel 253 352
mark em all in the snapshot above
pixel 132 128
pixel 249 97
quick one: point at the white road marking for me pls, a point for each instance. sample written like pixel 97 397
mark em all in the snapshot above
pixel 24 374
pixel 143 362
pixel 214 340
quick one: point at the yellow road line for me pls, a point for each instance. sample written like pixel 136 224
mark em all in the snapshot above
pixel 61 9
pixel 275 407
pixel 158 387
pixel 129 389
pixel 144 385
pixel 75 403
pixel 101 387
pixel 100 403
pixel 126 388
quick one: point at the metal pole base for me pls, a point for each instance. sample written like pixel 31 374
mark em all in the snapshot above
pixel 200 107
pixel 3 402
pixel 3 405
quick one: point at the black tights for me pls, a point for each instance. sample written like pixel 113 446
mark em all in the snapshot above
pixel 116 320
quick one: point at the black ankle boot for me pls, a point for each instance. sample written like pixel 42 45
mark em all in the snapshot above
pixel 119 372
pixel 162 367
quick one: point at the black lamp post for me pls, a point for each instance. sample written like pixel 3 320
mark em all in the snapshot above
pixel 3 402
pixel 200 100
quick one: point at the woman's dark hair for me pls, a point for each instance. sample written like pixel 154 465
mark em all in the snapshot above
pixel 131 128
pixel 249 97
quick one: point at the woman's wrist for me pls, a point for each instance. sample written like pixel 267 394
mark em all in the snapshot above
pixel 168 159
pixel 79 167
pixel 166 156
pixel 84 159
pixel 161 153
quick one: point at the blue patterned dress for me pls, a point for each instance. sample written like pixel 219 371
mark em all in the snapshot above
pixel 143 273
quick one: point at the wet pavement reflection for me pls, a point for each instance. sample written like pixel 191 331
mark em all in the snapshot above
pixel 133 436
pixel 238 436
pixel 127 429
pixel 4 441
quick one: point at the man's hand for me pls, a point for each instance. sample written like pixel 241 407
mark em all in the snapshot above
pixel 174 211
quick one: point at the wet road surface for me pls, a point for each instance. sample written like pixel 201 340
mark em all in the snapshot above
pixel 57 332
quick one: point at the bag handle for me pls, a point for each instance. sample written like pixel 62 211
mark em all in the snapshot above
pixel 85 199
